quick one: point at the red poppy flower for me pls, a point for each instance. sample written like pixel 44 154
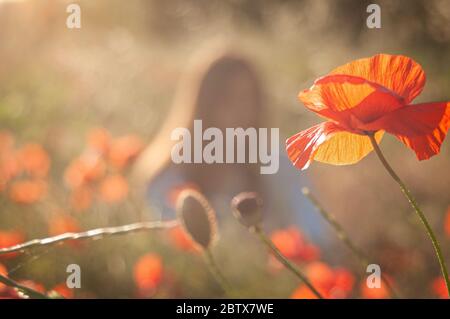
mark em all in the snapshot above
pixel 99 140
pixel 12 293
pixel 64 291
pixel 86 168
pixel 81 198
pixel 182 240
pixel 113 189
pixel 10 238
pixel 369 96
pixel 124 150
pixel 27 191
pixel 439 289
pixel 292 244
pixel 34 160
pixel 9 166
pixel 381 292
pixel 331 283
pixel 61 224
pixel 148 273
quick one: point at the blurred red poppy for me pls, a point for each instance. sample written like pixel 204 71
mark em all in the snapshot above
pixel 9 167
pixel 99 140
pixel 113 189
pixel 81 198
pixel 331 283
pixel 33 285
pixel 124 150
pixel 86 168
pixel 10 238
pixel 27 191
pixel 11 293
pixel 182 240
pixel 369 96
pixel 148 273
pixel 34 160
pixel 293 245
pixel 63 291
pixel 439 288
pixel 376 293
pixel 62 224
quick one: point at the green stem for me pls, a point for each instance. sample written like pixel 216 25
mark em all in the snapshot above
pixel 218 275
pixel 343 236
pixel 286 262
pixel 28 291
pixel 419 212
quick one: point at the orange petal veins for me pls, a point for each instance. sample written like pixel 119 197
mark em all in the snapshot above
pixel 422 127
pixel 328 143
pixel 398 73
pixel 349 100
pixel 345 148
pixel 302 146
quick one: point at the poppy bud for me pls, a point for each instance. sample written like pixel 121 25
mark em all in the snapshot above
pixel 246 208
pixel 197 217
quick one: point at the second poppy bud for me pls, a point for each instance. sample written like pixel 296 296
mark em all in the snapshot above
pixel 246 208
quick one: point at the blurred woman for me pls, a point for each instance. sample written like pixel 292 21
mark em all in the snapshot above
pixel 222 89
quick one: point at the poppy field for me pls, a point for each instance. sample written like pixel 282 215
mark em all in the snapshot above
pixel 226 149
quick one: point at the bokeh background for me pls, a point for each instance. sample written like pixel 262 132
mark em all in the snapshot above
pixel 111 85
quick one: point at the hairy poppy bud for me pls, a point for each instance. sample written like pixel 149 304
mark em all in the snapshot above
pixel 197 217
pixel 246 208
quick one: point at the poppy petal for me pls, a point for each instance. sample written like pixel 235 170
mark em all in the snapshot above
pixel 349 100
pixel 422 127
pixel 345 148
pixel 301 146
pixel 398 73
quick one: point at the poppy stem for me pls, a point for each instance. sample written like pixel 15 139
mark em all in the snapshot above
pixel 217 274
pixel 263 237
pixel 343 236
pixel 91 234
pixel 412 201
pixel 27 291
